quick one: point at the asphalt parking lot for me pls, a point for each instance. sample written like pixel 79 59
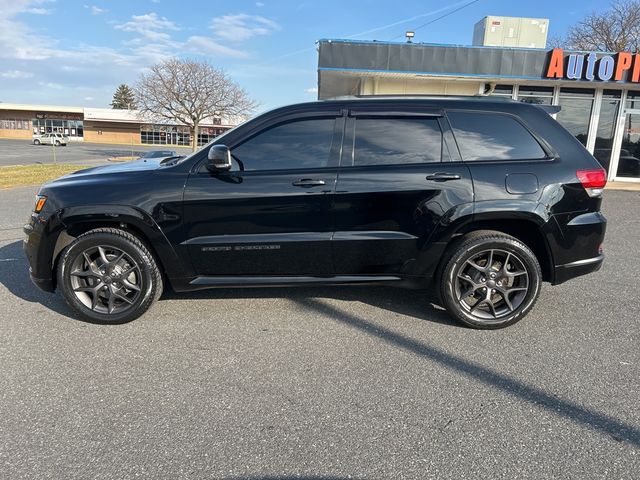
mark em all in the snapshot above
pixel 323 383
pixel 23 152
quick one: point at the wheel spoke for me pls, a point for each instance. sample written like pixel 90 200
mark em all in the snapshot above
pixel 490 261
pixel 84 273
pixel 478 303
pixel 128 271
pixel 129 285
pixel 111 301
pixel 122 297
pixel 505 296
pixel 103 255
pixel 476 266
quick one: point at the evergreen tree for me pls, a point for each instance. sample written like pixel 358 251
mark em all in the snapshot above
pixel 124 98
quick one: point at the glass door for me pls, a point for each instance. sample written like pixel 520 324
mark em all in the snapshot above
pixel 626 158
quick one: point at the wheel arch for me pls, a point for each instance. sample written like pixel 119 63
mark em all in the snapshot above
pixel 75 221
pixel 527 227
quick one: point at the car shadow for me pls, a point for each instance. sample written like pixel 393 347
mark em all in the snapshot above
pixel 420 304
pixel 14 275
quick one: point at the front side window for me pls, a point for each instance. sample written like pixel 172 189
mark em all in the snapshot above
pixel 493 136
pixel 292 145
pixel 393 141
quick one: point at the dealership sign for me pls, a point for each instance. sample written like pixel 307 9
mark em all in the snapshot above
pixel 622 66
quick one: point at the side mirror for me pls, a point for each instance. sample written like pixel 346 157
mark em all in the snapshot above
pixel 219 159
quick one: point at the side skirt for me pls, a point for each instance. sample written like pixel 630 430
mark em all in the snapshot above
pixel 283 281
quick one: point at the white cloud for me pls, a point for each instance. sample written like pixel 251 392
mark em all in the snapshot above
pixel 16 74
pixel 208 46
pixel 53 85
pixel 95 10
pixel 88 99
pixel 241 26
pixel 311 90
pixel 259 4
pixel 66 73
pixel 148 25
pixel 38 11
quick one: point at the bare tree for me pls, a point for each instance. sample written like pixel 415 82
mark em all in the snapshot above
pixel 615 30
pixel 190 92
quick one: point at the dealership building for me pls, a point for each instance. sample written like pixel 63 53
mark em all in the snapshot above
pixel 598 92
pixel 99 125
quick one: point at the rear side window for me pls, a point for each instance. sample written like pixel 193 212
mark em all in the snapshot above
pixel 389 141
pixel 292 145
pixel 493 136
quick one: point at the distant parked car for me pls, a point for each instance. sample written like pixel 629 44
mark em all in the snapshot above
pixel 56 139
pixel 158 154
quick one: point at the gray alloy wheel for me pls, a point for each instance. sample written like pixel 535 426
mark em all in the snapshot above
pixel 36 142
pixel 491 284
pixel 491 280
pixel 106 279
pixel 108 275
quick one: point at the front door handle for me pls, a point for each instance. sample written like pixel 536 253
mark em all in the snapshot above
pixel 308 182
pixel 443 177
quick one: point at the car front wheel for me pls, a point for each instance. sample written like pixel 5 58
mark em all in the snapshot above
pixel 491 280
pixel 36 142
pixel 108 275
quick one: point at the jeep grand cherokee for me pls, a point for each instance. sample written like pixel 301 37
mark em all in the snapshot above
pixel 482 198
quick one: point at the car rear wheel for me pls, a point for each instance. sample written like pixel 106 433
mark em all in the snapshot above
pixel 57 143
pixel 491 280
pixel 108 275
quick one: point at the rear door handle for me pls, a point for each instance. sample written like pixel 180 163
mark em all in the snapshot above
pixel 308 182
pixel 443 177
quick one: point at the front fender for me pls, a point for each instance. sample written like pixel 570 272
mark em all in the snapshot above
pixel 74 218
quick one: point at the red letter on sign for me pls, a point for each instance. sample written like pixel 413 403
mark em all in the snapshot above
pixel 556 64
pixel 623 63
pixel 635 76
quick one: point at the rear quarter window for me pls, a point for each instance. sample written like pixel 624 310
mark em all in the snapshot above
pixel 493 136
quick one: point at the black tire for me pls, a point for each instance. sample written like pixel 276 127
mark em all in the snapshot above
pixel 108 275
pixel 36 142
pixel 57 143
pixel 490 280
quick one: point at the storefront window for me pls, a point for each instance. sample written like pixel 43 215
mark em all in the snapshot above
pixel 575 114
pixel 70 128
pixel 165 135
pixel 537 95
pixel 12 124
pixel 633 100
pixel 176 135
pixel 607 127
pixel 503 91
pixel 629 159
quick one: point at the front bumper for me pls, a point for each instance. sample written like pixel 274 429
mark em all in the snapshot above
pixel 38 255
pixel 44 284
pixel 577 268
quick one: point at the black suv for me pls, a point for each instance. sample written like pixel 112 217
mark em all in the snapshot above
pixel 485 198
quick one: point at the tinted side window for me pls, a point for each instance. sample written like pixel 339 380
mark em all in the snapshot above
pixel 384 141
pixel 296 144
pixel 493 136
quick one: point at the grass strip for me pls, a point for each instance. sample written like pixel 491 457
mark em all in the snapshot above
pixel 22 175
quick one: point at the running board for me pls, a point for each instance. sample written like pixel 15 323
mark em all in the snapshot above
pixel 266 281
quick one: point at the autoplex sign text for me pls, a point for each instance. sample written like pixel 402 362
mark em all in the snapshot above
pixel 622 66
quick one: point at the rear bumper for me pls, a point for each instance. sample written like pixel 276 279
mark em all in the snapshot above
pixel 577 268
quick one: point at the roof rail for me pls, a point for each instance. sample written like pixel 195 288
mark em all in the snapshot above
pixel 420 96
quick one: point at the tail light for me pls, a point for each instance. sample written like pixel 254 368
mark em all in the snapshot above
pixel 593 181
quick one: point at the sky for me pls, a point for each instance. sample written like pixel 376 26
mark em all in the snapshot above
pixel 75 53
